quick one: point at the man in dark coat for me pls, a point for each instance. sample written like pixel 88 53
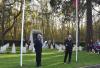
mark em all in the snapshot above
pixel 38 48
pixel 68 48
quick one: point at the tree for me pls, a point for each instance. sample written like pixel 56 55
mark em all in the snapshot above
pixel 89 27
pixel 8 17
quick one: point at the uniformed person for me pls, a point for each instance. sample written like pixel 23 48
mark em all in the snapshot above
pixel 38 48
pixel 68 49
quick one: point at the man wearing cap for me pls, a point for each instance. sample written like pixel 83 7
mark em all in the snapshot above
pixel 68 48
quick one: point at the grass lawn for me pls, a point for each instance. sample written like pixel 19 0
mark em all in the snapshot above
pixel 50 59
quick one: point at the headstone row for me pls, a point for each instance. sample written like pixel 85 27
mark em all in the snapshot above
pixel 3 48
pixel 59 47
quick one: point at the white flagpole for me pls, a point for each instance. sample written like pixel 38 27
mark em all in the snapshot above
pixel 21 52
pixel 77 30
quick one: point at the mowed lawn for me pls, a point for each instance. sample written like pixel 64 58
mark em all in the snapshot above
pixel 50 59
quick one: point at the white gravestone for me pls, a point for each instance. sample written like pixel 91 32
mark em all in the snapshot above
pixel 60 48
pixel 7 45
pixel 56 46
pixel 80 48
pixel 26 45
pixel 13 49
pixel 45 45
pixel 33 50
pixel 0 49
pixel 51 46
pixel 24 49
pixel 63 47
pixel 74 48
pixel 31 47
pixel 4 48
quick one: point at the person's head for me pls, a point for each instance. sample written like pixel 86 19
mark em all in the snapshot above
pixel 69 37
pixel 39 36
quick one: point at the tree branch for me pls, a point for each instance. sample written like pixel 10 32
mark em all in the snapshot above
pixel 7 30
pixel 96 1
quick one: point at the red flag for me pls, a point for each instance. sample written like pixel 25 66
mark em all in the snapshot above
pixel 74 3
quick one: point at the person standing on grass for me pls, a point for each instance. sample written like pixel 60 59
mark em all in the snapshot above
pixel 38 49
pixel 90 46
pixel 68 49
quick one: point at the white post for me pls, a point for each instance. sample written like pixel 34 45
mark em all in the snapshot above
pixel 76 30
pixel 23 12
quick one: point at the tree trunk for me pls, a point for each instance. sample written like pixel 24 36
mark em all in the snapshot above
pixel 2 24
pixel 15 28
pixel 89 27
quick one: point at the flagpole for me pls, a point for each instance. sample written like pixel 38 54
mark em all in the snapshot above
pixel 22 31
pixel 77 30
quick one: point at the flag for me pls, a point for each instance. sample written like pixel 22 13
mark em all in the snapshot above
pixel 74 3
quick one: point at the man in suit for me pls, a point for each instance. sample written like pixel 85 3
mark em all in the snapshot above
pixel 68 49
pixel 38 48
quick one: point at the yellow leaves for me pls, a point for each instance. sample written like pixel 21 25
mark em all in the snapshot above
pixel 34 15
pixel 1 3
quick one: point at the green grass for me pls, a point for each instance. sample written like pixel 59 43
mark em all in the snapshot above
pixel 50 59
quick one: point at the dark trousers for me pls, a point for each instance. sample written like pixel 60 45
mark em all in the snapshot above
pixel 38 59
pixel 68 53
